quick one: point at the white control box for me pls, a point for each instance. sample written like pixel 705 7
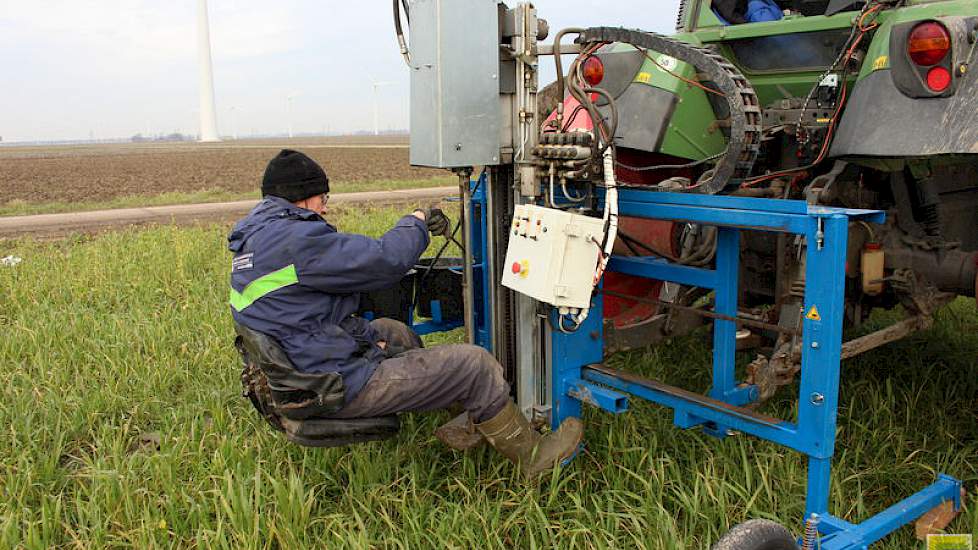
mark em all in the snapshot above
pixel 552 255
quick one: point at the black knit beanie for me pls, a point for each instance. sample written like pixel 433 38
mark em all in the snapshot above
pixel 293 176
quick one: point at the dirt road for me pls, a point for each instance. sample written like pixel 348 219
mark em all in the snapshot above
pixel 56 225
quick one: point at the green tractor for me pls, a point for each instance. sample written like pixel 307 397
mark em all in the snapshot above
pixel 841 103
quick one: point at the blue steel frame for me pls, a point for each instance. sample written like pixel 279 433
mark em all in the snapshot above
pixel 578 377
pixel 478 227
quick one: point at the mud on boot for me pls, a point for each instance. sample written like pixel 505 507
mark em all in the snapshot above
pixel 510 433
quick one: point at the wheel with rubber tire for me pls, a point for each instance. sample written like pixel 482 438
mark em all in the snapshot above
pixel 757 534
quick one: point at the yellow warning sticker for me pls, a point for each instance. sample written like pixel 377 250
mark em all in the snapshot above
pixel 644 78
pixel 813 314
pixel 881 62
pixel 949 542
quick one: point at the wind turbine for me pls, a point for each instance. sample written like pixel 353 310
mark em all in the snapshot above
pixel 208 107
pixel 288 110
pixel 377 86
pixel 234 123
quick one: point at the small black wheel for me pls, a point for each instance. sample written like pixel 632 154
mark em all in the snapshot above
pixel 757 534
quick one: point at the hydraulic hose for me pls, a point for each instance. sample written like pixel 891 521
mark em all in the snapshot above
pixel 560 70
pixel 613 107
pixel 401 41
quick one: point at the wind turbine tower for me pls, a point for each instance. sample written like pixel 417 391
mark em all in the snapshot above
pixel 377 86
pixel 208 108
pixel 288 110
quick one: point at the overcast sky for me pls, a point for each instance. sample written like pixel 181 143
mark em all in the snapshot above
pixel 112 68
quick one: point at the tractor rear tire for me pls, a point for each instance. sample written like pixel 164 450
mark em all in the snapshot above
pixel 757 534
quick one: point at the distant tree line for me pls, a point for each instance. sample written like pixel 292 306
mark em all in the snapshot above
pixel 175 136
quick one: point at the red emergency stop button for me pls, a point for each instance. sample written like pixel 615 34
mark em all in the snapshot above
pixel 517 268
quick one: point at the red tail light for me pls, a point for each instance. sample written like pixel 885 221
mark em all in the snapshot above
pixel 938 79
pixel 929 43
pixel 593 70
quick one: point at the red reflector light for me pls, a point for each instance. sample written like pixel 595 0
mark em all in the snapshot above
pixel 516 268
pixel 928 43
pixel 593 70
pixel 938 79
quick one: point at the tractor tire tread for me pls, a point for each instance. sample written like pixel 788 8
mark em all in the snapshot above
pixel 757 534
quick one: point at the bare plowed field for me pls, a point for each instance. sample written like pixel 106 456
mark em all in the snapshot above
pixel 99 173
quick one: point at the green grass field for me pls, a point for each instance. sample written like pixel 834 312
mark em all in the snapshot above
pixel 111 342
pixel 23 208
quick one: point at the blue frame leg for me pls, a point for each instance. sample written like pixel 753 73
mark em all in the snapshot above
pixel 824 312
pixel 569 353
pixel 725 332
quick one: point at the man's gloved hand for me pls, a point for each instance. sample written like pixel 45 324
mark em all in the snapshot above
pixel 438 222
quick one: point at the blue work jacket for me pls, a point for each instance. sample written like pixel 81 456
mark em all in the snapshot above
pixel 297 279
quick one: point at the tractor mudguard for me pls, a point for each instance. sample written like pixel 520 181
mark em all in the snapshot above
pixel 645 116
pixel 880 121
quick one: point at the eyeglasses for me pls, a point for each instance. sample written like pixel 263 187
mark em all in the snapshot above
pixel 325 198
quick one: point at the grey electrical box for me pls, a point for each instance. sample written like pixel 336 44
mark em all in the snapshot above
pixel 455 107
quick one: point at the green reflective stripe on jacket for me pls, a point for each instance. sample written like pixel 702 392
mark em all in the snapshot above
pixel 262 286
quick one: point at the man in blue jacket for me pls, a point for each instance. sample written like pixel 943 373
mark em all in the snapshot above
pixel 294 277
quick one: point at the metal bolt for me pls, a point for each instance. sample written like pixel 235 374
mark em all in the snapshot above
pixel 817 398
pixel 458 146
pixel 814 345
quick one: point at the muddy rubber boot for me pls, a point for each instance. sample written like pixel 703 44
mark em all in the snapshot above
pixel 510 433
pixel 460 434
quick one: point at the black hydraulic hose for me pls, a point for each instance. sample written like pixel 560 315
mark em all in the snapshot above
pixel 583 97
pixel 668 166
pixel 400 31
pixel 449 239
pixel 614 114
pixel 631 241
pixel 397 19
pixel 560 65
pixel 601 142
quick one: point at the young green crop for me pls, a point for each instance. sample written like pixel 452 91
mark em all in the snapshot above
pixel 122 425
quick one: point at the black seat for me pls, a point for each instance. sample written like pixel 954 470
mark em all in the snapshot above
pixel 299 404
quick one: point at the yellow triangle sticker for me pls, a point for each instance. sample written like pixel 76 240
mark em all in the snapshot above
pixel 813 314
